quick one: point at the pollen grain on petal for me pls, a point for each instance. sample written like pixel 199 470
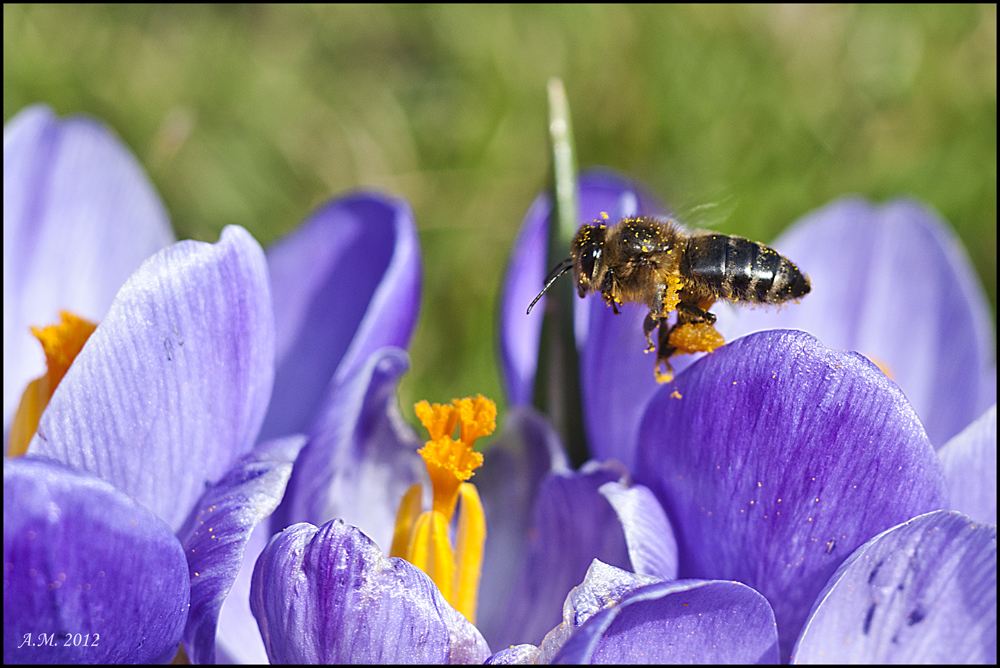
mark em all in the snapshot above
pixel 882 365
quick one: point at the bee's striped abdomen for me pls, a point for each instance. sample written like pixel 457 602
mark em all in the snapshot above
pixel 738 269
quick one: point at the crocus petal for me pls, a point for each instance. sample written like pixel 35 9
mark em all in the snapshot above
pixel 603 586
pixel 171 388
pixel 81 559
pixel 652 547
pixel 217 532
pixel 345 284
pixel 520 333
pixel 361 456
pixel 360 459
pixel 572 525
pixel 921 592
pixel 685 621
pixel 969 461
pixel 777 457
pixel 516 655
pixel 893 283
pixel 79 216
pixel 237 638
pixel 328 595
pixel 514 466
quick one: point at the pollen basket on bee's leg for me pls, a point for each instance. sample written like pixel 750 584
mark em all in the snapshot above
pixel 696 337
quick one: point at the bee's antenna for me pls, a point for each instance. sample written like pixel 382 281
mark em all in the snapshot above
pixel 558 271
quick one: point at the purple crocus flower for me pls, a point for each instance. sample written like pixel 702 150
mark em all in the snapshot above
pixel 330 595
pixel 346 289
pixel 150 433
pixel 776 458
pixel 149 449
pixel 72 232
pixel 342 503
pixel 541 539
pixel 548 524
pixel 358 462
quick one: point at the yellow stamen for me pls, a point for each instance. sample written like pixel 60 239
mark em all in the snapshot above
pixel 431 552
pixel 469 550
pixel 423 537
pixel 449 464
pixel 61 344
pixel 406 519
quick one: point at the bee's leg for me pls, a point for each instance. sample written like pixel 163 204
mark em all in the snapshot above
pixel 648 325
pixel 609 290
pixel 656 316
pixel 663 353
pixel 664 350
pixel 687 312
pixel 609 299
pixel 690 313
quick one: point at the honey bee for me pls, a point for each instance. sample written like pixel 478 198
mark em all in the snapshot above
pixel 654 262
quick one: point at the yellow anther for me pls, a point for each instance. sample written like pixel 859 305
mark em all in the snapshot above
pixel 61 344
pixel 431 552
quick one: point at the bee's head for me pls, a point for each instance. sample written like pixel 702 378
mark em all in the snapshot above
pixel 586 261
pixel 588 252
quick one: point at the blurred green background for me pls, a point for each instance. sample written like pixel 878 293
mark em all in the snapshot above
pixel 743 117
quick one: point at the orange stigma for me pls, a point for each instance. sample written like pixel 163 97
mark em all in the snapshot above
pixel 422 538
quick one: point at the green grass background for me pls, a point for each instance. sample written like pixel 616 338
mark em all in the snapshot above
pixel 256 114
